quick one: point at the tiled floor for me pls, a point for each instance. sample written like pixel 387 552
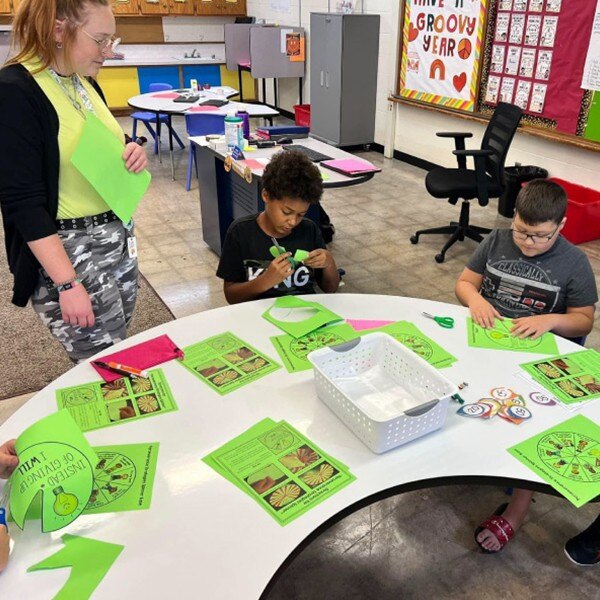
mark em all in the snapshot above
pixel 417 545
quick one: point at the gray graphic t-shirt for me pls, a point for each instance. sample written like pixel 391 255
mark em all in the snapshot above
pixel 520 286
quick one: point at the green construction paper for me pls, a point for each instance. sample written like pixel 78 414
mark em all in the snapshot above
pixel 305 316
pixel 225 362
pixel 275 251
pixel 500 338
pixel 294 351
pixel 99 158
pixel 414 339
pixel 57 462
pixel 280 469
pixel 301 255
pixel 572 378
pixel 89 560
pixel 98 404
pixel 592 128
pixel 567 457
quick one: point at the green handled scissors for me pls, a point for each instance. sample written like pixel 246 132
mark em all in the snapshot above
pixel 445 322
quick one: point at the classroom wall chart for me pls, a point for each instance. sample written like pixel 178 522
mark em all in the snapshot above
pixel 441 51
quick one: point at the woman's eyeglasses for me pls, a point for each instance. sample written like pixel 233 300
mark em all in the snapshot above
pixel 105 45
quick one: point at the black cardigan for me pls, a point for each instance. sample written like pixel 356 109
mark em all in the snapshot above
pixel 29 166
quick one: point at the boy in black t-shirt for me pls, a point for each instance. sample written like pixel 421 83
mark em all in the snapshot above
pixel 291 183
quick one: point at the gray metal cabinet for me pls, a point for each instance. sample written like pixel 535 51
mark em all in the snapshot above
pixel 344 51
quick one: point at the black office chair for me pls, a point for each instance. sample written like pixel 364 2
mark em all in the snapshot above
pixel 484 182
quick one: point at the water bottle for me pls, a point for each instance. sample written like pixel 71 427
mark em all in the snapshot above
pixel 234 133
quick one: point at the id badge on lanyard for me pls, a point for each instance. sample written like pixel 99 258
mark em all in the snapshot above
pixel 132 250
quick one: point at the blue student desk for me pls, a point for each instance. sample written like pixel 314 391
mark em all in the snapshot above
pixel 226 196
pixel 203 537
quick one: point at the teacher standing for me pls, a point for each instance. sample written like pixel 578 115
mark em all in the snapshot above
pixel 68 252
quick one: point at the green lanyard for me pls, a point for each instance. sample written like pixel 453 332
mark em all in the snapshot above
pixel 79 90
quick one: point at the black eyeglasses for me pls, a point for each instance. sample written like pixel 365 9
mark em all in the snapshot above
pixel 536 238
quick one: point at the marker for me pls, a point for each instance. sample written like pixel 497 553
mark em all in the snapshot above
pixel 121 369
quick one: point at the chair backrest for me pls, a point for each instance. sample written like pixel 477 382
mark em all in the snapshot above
pixel 159 87
pixel 204 123
pixel 498 137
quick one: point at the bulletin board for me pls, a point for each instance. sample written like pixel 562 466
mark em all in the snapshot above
pixel 536 54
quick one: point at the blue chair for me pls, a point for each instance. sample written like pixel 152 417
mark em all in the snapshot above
pixel 149 117
pixel 200 124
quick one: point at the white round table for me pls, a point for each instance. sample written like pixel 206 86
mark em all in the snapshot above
pixel 202 537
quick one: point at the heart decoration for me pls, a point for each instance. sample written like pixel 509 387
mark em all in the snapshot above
pixel 459 81
pixel 413 32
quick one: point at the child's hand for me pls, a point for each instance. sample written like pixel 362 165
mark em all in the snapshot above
pixel 532 327
pixel 483 313
pixel 319 259
pixel 279 269
pixel 8 459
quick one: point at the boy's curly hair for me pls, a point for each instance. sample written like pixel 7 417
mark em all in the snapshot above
pixel 291 174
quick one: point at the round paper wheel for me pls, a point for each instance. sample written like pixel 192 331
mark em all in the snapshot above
pixel 113 478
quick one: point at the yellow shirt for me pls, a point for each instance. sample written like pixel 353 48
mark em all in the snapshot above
pixel 76 196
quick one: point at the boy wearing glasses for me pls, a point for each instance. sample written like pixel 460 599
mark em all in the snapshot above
pixel 532 275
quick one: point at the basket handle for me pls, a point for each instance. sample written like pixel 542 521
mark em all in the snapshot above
pixel 346 345
pixel 417 411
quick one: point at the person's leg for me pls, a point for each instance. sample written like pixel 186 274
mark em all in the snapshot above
pixel 126 278
pixel 515 514
pixel 584 548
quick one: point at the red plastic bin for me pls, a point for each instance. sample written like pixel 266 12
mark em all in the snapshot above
pixel 583 212
pixel 302 114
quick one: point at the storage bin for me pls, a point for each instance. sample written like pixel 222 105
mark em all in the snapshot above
pixel 302 114
pixel 382 391
pixel 583 212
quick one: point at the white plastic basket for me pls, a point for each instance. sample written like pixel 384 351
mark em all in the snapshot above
pixel 384 393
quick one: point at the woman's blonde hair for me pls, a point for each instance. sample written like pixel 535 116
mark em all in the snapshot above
pixel 34 23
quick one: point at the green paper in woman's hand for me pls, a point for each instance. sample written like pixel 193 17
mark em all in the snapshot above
pixel 56 461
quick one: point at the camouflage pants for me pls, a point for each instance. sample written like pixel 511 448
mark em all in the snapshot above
pixel 101 260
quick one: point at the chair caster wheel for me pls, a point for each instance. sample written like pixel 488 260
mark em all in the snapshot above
pixel 439 258
pixel 414 239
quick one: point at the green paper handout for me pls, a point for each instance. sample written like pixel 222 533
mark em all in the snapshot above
pixel 90 560
pixel 99 404
pixel 225 362
pixel 500 338
pixel 572 378
pixel 299 256
pixel 567 457
pixel 56 461
pixel 294 351
pixel 98 157
pixel 280 469
pixel 299 316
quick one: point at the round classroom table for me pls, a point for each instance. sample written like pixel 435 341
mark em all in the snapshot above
pixel 203 537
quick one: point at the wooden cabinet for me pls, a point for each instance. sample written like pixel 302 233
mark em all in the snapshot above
pixel 221 7
pixel 15 4
pixel 125 7
pixel 181 7
pixel 154 7
pixel 5 7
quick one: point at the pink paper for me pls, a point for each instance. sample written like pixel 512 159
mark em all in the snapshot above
pixel 350 165
pixel 202 108
pixel 244 64
pixel 252 163
pixel 362 324
pixel 167 95
pixel 141 356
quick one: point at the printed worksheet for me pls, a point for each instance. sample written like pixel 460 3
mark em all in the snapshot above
pixel 497 65
pixel 507 89
pixel 532 31
pixel 542 70
pixel 522 95
pixel 502 24
pixel 513 59
pixel 520 5
pixel 536 5
pixel 553 6
pixel 516 29
pixel 549 31
pixel 527 62
pixel 505 5
pixel 493 88
pixel 538 97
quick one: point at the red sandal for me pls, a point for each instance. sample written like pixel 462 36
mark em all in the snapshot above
pixel 499 527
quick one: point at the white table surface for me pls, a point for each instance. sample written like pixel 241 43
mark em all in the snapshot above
pixel 204 538
pixel 151 103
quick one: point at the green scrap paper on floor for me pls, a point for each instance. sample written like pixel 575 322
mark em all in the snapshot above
pixel 225 362
pixel 297 317
pixel 294 351
pixel 57 462
pixel 89 561
pixel 567 457
pixel 572 378
pixel 99 404
pixel 280 469
pixel 500 338
pixel 99 158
